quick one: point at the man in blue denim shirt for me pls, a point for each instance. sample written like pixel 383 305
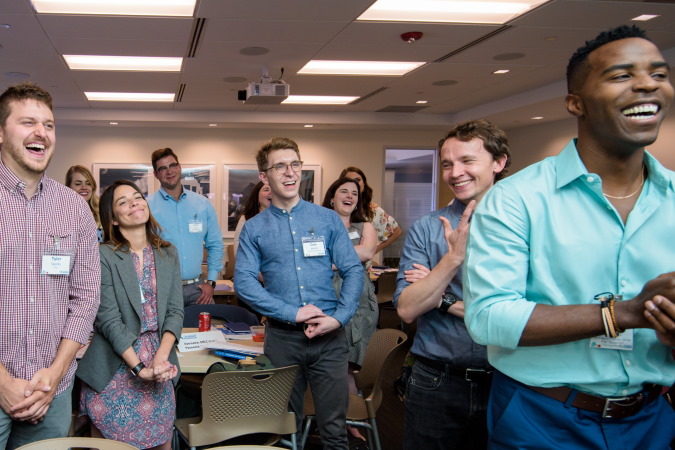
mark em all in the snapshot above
pixel 294 244
pixel 446 396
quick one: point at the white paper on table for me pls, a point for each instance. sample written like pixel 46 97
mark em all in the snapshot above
pixel 190 342
pixel 256 348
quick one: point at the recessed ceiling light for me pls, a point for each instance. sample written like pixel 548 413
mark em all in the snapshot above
pixel 495 11
pixel 386 68
pixel 317 100
pixel 125 63
pixel 117 7
pixel 422 102
pixel 213 124
pixel 129 97
pixel 19 75
pixel 501 71
pixel 114 123
pixel 254 51
pixel 5 25
pixel 645 17
pixel 537 117
pixel 309 126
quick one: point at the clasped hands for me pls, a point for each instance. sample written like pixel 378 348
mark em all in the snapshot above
pixel 316 322
pixel 656 302
pixel 28 401
pixel 159 371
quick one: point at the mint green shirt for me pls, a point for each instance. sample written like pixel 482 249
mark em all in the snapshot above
pixel 547 235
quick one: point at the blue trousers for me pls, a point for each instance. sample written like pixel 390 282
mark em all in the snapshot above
pixel 444 411
pixel 520 418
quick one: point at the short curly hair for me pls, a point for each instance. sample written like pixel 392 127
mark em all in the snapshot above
pixel 577 68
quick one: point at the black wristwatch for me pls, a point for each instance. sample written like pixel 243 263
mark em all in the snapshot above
pixel 447 301
pixel 212 283
pixel 137 369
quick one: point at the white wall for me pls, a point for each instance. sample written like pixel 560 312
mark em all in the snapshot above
pixel 332 149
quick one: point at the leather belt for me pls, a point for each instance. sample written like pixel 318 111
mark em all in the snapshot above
pixel 187 282
pixel 608 407
pixel 285 325
pixel 468 373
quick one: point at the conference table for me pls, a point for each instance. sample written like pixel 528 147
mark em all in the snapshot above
pixel 199 361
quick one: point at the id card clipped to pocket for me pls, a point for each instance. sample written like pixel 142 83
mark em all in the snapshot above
pixel 313 246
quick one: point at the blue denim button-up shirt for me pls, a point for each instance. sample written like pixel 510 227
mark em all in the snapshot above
pixel 271 243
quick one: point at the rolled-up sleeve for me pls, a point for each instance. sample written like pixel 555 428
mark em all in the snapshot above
pixel 496 268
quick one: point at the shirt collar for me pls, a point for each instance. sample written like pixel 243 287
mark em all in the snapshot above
pixel 569 167
pixel 11 182
pixel 280 212
pixel 168 196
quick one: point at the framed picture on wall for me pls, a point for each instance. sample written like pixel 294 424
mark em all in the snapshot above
pixel 239 181
pixel 106 174
pixel 200 179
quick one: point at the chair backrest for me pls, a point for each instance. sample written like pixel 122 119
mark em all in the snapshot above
pixel 77 442
pixel 229 313
pixel 386 286
pixel 229 265
pixel 378 352
pixel 244 402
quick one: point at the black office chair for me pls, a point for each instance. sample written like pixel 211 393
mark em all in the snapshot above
pixel 226 313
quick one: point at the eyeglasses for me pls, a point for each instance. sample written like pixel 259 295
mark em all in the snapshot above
pixel 283 167
pixel 170 166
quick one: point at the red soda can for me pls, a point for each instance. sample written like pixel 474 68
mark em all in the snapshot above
pixel 204 321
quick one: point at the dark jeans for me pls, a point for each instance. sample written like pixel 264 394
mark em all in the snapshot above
pixel 444 411
pixel 323 364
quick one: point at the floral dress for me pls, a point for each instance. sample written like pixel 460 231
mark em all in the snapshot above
pixel 129 409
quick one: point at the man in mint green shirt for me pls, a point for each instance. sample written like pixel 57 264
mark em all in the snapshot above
pixel 595 222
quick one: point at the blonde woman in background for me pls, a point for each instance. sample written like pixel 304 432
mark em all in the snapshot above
pixel 80 179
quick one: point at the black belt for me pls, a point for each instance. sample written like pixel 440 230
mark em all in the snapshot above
pixel 285 325
pixel 608 407
pixel 468 373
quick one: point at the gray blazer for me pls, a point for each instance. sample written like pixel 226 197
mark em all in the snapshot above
pixel 118 321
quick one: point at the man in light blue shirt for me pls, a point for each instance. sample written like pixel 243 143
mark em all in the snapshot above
pixel 568 276
pixel 189 222
pixel 294 244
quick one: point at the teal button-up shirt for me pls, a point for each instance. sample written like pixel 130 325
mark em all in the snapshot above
pixel 548 235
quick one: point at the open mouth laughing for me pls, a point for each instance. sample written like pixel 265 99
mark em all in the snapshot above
pixel 644 111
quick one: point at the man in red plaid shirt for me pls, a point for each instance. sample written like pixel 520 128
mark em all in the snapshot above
pixel 49 274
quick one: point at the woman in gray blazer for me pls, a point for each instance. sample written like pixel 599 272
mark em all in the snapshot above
pixel 128 368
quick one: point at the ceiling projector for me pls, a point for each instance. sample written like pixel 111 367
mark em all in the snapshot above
pixel 265 92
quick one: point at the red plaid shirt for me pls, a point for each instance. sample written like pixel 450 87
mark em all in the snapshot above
pixel 37 311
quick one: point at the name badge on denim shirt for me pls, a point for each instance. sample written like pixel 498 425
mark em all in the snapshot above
pixel 313 246
pixel 195 226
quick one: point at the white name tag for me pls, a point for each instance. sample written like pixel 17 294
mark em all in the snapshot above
pixel 354 235
pixel 55 265
pixel 622 342
pixel 195 226
pixel 313 246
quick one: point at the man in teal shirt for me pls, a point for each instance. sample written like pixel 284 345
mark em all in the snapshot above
pixel 569 270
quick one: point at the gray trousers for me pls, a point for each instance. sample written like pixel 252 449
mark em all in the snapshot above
pixel 191 292
pixel 322 363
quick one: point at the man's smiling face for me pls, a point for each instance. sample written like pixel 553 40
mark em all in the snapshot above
pixel 28 138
